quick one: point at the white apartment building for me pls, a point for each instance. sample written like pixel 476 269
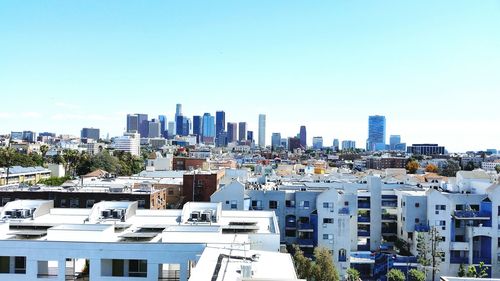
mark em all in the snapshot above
pixel 129 142
pixel 115 241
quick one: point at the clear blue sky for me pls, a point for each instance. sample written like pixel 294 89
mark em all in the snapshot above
pixel 431 67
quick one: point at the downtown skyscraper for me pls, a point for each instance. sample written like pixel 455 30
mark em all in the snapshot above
pixel 262 130
pixel 376 133
pixel 303 137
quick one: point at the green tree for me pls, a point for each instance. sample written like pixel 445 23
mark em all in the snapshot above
pixel 416 275
pixel 412 166
pixel 461 270
pixel 472 272
pixel 352 274
pixel 483 271
pixel 451 168
pixel 323 268
pixel 395 275
pixel 497 168
pixel 469 166
pixel 44 149
pixel 428 251
pixel 303 265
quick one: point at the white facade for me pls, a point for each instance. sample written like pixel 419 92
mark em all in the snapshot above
pixel 120 242
pixel 129 142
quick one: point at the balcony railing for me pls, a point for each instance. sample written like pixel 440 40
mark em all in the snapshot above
pixel 389 204
pixel 291 225
pixel 459 260
pixel 363 219
pixel 478 260
pixel 305 242
pixel 305 226
pixel 422 228
pixel 363 205
pixel 390 217
pixel 472 215
pixel 363 233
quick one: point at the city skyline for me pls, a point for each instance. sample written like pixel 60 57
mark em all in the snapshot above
pixel 431 68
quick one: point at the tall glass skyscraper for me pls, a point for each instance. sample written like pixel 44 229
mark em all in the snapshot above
pixel 303 136
pixel 163 125
pixel 220 122
pixel 262 130
pixel 376 133
pixel 208 126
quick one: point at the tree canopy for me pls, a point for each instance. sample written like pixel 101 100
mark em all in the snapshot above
pixel 395 275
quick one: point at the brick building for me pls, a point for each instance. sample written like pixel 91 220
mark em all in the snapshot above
pixel 205 183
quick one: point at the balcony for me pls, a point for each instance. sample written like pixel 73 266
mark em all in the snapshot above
pixel 479 215
pixel 363 205
pixel 305 242
pixel 459 246
pixel 482 231
pixel 422 228
pixel 306 227
pixel 363 219
pixel 477 260
pixel 291 225
pixel 389 204
pixel 364 248
pixel 364 233
pixel 389 230
pixel 389 217
pixel 459 260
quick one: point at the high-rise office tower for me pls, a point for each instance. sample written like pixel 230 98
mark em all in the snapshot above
pixel 336 145
pixel 376 133
pixel 231 132
pixel 163 126
pixel 250 136
pixel 220 122
pixel 171 129
pixel 154 129
pixel 197 125
pixel 317 143
pixel 208 128
pixel 262 130
pixel 293 143
pixel 348 145
pixel 242 130
pixel 178 112
pixel 275 140
pixel 393 140
pixel 90 133
pixel 303 136
pixel 178 125
pixel 143 123
pixel 132 123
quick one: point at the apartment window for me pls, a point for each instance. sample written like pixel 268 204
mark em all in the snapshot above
pixel 74 203
pixel 327 205
pixel 342 255
pixel 346 203
pixel 327 236
pixel 234 204
pixel 290 203
pixel 474 207
pixel 90 203
pixel 417 205
pixel 459 207
pixel 440 207
pixel 442 223
pixel 327 220
pixel 227 202
pixel 63 203
pixel 404 203
pixel 303 219
pixel 410 235
pixel 273 204
pixel 20 265
pixel 304 205
pixel 257 204
pixel 141 204
pixel 417 220
pixel 290 233
pixel 138 268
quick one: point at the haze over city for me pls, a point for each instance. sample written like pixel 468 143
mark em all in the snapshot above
pixel 431 68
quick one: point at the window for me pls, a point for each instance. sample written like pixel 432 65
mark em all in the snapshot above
pixel 346 203
pixel 417 205
pixel 170 191
pixel 4 264
pixel 227 202
pixel 273 204
pixel 89 203
pixel 304 205
pixel 290 203
pixel 327 220
pixel 417 220
pixel 234 204
pixel 63 203
pixel 459 207
pixel 290 233
pixel 138 268
pixel 474 207
pixel 20 265
pixel 257 204
pixel 440 207
pixel 342 255
pixel 327 236
pixel 327 205
pixel 410 235
pixel 303 219
pixel 141 204
pixel 442 223
pixel 74 203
